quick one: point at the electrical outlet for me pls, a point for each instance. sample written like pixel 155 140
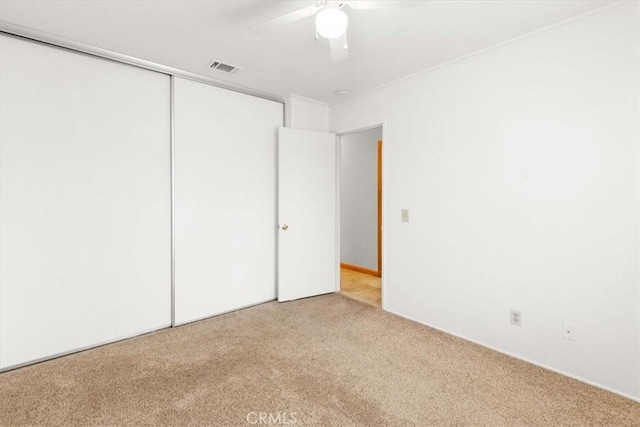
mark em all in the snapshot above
pixel 405 215
pixel 568 331
pixel 516 318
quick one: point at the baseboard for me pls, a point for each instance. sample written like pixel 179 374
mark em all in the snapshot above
pixel 359 269
pixel 524 359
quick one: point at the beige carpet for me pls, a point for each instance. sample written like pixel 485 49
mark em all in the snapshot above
pixel 326 361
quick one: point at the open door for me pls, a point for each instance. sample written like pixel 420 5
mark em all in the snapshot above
pixel 307 263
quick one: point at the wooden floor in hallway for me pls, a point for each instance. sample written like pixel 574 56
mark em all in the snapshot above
pixel 361 286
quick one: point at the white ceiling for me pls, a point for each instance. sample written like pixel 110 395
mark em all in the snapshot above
pixel 385 45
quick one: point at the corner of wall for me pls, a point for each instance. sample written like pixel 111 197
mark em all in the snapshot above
pixel 306 113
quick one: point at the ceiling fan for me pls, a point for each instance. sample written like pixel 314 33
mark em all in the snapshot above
pixel 331 20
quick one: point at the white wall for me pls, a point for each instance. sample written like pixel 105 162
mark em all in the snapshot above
pixel 225 199
pixel 305 113
pixel 85 201
pixel 359 198
pixel 520 167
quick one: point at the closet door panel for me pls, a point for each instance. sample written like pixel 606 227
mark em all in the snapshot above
pixel 85 227
pixel 225 145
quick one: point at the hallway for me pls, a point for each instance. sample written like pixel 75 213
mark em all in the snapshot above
pixel 360 286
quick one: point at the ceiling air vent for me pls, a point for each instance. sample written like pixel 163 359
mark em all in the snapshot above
pixel 217 65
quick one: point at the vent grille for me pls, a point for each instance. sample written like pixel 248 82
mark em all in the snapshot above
pixel 217 65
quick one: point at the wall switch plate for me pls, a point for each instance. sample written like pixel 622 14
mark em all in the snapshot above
pixel 568 331
pixel 405 215
pixel 516 318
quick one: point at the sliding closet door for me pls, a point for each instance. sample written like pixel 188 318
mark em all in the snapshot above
pixel 84 201
pixel 225 145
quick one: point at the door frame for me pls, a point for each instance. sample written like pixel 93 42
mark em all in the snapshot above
pixel 382 177
pixel 380 162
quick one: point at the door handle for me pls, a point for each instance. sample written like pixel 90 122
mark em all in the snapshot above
pixel 285 227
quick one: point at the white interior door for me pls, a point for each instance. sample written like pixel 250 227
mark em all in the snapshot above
pixel 307 261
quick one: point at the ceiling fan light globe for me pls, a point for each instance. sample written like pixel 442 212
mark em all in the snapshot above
pixel 331 23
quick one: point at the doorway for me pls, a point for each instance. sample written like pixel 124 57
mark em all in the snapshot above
pixel 361 215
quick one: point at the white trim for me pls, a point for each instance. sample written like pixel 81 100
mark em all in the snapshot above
pixel 460 59
pixel 173 197
pixel 385 216
pixel 14 30
pixel 303 98
pixel 361 126
pixel 524 359
pixel 338 207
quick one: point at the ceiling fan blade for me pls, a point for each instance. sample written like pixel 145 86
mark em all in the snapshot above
pixel 339 48
pixel 381 4
pixel 287 18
